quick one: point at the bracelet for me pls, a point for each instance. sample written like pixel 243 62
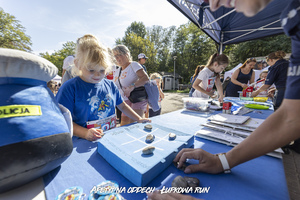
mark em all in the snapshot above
pixel 224 162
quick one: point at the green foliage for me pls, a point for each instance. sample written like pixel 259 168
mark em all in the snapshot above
pixel 12 33
pixel 138 28
pixel 57 58
pixel 257 48
pixel 192 47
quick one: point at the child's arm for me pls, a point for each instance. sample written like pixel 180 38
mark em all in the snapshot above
pixel 128 111
pixel 88 134
pixel 161 94
pixel 197 87
pixel 219 88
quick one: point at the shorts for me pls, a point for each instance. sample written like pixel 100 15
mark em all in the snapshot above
pixel 137 106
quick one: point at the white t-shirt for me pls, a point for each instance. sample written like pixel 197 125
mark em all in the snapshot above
pixel 207 78
pixel 127 77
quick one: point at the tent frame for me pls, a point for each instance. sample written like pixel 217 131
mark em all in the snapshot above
pixel 192 7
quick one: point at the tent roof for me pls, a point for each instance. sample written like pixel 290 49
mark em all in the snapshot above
pixel 226 26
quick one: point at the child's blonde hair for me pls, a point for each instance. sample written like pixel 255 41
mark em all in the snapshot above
pixel 265 71
pixel 156 76
pixel 90 50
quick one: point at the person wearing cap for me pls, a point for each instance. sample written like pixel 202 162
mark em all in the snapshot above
pixel 142 60
pixel 277 130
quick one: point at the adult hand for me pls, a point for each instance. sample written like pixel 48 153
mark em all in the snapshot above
pixel 156 195
pixel 94 134
pixel 208 162
pixel 143 120
pixel 244 85
pixel 128 90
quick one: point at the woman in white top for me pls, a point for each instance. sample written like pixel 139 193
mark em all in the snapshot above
pixel 209 76
pixel 128 76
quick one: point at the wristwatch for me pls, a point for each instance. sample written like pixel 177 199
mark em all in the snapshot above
pixel 224 162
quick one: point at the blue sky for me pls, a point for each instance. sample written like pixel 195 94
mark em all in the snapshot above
pixel 51 23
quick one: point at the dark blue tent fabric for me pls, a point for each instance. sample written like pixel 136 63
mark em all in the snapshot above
pixel 234 27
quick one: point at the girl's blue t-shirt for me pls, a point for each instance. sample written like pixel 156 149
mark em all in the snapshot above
pixel 89 101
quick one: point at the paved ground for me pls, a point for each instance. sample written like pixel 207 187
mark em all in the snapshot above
pixel 172 102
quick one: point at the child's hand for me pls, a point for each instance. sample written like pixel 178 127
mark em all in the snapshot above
pixel 211 93
pixel 94 134
pixel 221 99
pixel 143 120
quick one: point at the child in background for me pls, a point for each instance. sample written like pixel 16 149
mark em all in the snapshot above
pixel 194 77
pixel 263 75
pixel 209 76
pixel 158 79
pixel 90 97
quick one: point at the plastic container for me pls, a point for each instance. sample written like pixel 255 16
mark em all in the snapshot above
pixel 197 104
pixel 260 99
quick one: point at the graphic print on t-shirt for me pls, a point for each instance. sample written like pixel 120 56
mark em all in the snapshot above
pixel 210 85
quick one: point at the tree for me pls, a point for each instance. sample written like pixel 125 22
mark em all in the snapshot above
pixel 257 48
pixel 57 58
pixel 192 47
pixel 138 42
pixel 12 33
pixel 138 28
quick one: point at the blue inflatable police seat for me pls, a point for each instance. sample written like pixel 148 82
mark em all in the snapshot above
pixel 35 136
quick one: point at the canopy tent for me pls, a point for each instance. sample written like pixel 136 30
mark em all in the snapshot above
pixel 225 26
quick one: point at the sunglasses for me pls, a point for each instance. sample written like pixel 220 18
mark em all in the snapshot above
pixel 251 60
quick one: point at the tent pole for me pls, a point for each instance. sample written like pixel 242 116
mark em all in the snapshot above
pixel 221 44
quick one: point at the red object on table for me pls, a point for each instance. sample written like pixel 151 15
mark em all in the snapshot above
pixel 227 107
pixel 247 90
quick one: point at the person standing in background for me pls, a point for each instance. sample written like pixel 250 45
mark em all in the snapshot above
pixel 129 76
pixel 68 63
pixel 142 58
pixel 277 75
pixel 240 78
pixel 194 77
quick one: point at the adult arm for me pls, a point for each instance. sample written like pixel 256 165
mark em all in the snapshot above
pixel 262 88
pixel 252 79
pixel 143 78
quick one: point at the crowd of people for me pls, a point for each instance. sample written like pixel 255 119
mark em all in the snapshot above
pixel 91 97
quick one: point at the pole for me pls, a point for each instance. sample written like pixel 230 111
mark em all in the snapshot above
pixel 174 72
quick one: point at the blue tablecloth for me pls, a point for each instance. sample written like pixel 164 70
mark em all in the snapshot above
pixel 260 178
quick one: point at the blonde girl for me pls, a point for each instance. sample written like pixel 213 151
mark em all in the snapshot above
pixel 90 98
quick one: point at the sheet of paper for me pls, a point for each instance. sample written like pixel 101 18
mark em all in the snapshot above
pixel 222 117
